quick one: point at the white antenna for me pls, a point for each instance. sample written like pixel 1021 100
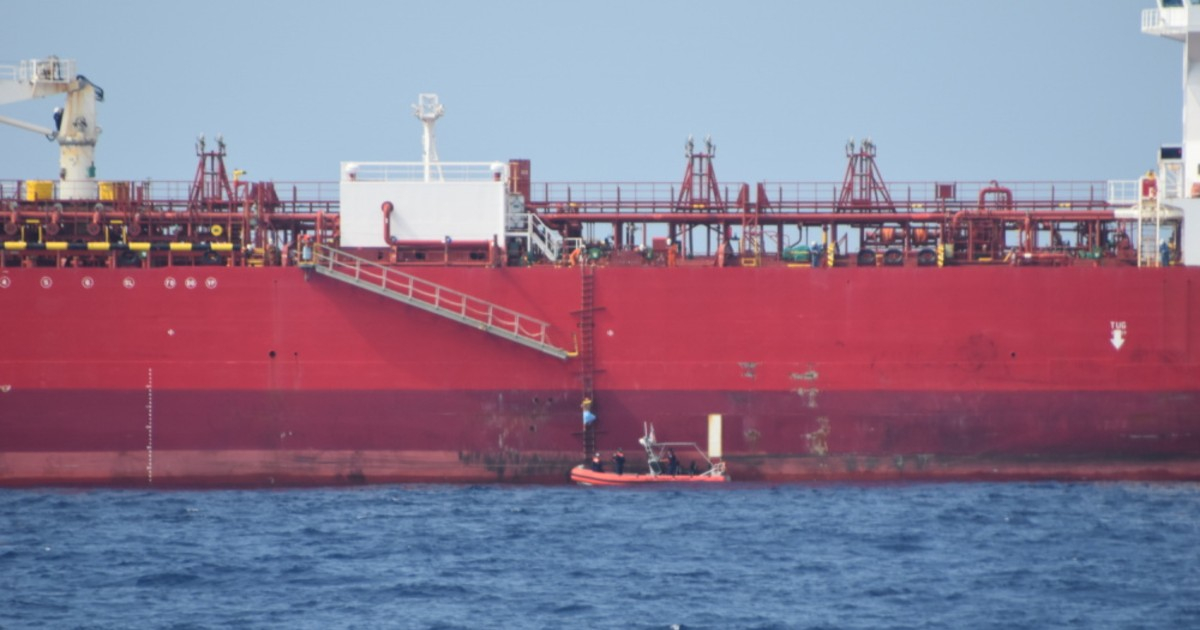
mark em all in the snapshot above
pixel 429 110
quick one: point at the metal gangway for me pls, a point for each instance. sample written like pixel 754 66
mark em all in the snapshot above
pixel 540 238
pixel 453 305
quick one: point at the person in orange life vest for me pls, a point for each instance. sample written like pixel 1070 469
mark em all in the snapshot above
pixel 619 461
pixel 597 464
pixel 1149 186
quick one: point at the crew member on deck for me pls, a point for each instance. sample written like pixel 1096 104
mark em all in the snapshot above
pixel 672 462
pixel 619 461
pixel 306 251
pixel 1149 186
pixel 597 463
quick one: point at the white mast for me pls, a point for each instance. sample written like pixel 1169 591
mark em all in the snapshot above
pixel 429 111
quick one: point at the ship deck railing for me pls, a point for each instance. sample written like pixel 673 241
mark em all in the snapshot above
pixel 174 195
pixel 645 198
pixel 780 197
pixel 432 297
pixel 419 171
pixel 663 196
pixel 35 70
pixel 1171 22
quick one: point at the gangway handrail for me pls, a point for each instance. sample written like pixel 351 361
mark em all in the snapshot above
pixel 435 298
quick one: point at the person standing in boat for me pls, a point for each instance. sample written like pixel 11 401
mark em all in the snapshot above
pixel 597 463
pixel 619 461
pixel 672 462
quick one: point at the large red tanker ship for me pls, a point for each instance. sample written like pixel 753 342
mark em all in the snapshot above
pixel 446 321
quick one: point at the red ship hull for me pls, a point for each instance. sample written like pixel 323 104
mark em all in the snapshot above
pixel 255 376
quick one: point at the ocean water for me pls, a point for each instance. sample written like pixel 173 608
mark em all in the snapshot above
pixel 829 556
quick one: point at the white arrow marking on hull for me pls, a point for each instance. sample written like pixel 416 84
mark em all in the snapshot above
pixel 1118 335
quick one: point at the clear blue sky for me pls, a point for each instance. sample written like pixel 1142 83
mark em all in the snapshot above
pixel 609 91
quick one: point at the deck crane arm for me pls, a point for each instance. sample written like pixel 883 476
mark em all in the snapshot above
pixel 50 134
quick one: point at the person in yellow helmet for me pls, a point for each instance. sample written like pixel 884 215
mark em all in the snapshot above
pixel 588 416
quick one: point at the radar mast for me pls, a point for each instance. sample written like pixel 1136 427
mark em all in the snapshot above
pixel 429 110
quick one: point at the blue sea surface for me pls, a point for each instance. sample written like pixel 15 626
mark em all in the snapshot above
pixel 827 556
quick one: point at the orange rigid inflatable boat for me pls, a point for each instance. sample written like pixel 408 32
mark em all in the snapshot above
pixel 584 475
pixel 662 464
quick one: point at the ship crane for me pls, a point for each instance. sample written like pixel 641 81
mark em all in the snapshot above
pixel 75 123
